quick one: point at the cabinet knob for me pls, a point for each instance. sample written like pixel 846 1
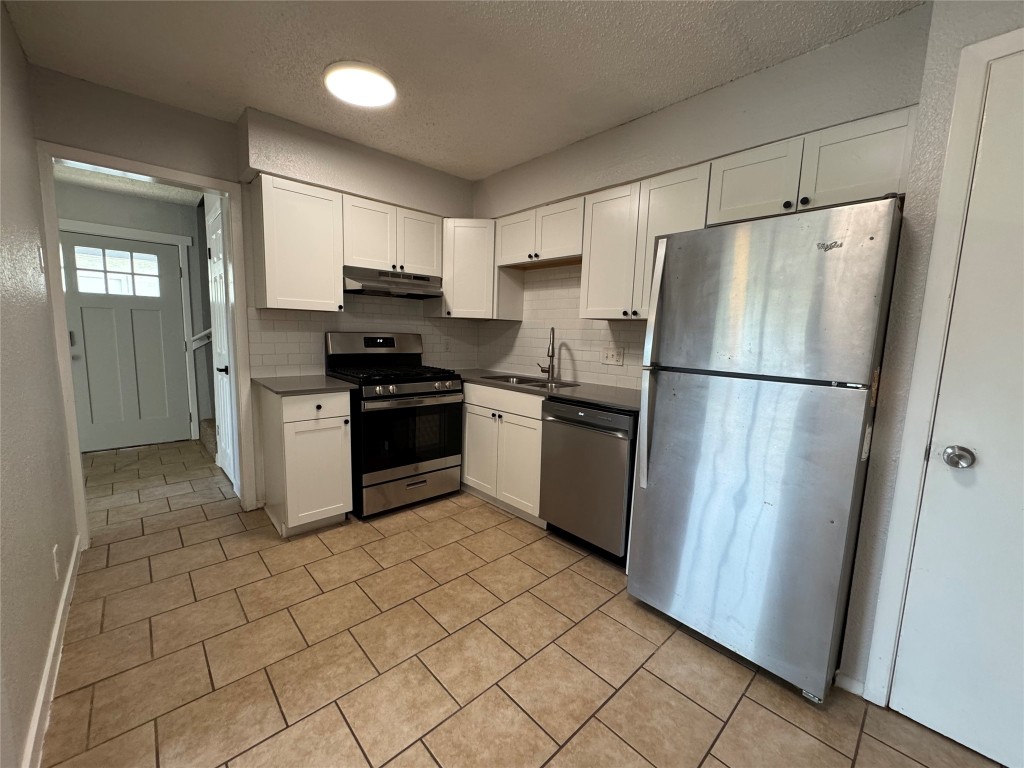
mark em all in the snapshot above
pixel 341 307
pixel 346 421
pixel 536 255
pixel 318 406
pixel 448 313
pixel 788 204
pixel 494 415
pixel 499 417
pixel 805 201
pixel 625 313
pixel 402 267
pixel 529 256
pixel 635 313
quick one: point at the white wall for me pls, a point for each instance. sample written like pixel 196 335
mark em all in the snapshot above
pixel 274 145
pixel 552 299
pixel 953 26
pixel 99 206
pixel 81 114
pixel 34 515
pixel 874 71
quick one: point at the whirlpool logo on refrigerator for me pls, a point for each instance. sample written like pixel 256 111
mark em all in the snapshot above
pixel 826 247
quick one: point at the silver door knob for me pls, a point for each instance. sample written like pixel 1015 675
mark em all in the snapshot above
pixel 958 457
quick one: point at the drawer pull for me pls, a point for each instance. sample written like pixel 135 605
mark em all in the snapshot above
pixel 417 484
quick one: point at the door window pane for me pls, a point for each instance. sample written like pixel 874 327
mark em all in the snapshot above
pixel 145 264
pixel 90 282
pixel 147 285
pixel 120 285
pixel 88 258
pixel 119 261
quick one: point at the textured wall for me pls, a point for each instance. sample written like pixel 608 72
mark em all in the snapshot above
pixel 101 207
pixel 81 114
pixel 36 508
pixel 552 299
pixel 873 71
pixel 283 148
pixel 953 26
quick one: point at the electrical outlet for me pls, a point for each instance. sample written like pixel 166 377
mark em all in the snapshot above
pixel 56 563
pixel 446 344
pixel 611 356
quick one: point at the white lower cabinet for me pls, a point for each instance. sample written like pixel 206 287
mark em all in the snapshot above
pixel 501 446
pixel 307 458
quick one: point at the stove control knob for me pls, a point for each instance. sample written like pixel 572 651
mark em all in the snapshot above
pixel 447 385
pixel 378 390
pixel 437 385
pixel 392 389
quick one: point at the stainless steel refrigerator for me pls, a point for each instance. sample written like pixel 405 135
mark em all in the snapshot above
pixel 760 373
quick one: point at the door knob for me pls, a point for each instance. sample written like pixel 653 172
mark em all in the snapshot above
pixel 958 457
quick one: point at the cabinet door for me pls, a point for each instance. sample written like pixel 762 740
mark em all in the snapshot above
pixel 857 161
pixel 480 449
pixel 318 469
pixel 370 234
pixel 559 230
pixel 609 252
pixel 419 243
pixel 673 202
pixel 516 238
pixel 468 281
pixel 519 462
pixel 302 245
pixel 758 182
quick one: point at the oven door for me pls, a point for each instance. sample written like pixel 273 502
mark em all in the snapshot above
pixel 410 436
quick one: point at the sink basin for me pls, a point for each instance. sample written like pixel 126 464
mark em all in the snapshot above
pixel 552 386
pixel 527 380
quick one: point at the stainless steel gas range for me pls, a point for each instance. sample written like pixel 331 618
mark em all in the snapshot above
pixel 407 419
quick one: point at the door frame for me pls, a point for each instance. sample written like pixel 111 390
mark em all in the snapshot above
pixel 244 482
pixel 947 241
pixel 182 243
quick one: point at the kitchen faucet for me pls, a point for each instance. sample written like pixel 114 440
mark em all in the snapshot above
pixel 550 370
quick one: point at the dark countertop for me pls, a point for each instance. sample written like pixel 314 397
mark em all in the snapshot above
pixel 304 385
pixel 596 394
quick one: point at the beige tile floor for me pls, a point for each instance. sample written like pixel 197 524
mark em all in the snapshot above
pixel 447 634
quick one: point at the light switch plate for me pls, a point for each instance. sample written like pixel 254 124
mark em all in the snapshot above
pixel 611 356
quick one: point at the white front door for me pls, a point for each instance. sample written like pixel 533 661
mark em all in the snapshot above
pixel 222 390
pixel 127 341
pixel 960 662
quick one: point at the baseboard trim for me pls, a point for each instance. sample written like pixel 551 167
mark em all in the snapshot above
pixel 494 502
pixel 41 712
pixel 849 684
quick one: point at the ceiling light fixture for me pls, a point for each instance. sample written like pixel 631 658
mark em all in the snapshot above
pixel 360 84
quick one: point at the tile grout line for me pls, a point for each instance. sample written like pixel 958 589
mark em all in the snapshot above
pixel 355 738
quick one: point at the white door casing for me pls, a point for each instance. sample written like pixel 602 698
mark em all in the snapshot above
pixel 223 392
pixel 129 360
pixel 959 666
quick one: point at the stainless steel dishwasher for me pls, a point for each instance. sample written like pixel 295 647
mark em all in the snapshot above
pixel 586 480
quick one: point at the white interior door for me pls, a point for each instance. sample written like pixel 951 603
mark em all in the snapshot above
pixel 223 395
pixel 960 664
pixel 127 341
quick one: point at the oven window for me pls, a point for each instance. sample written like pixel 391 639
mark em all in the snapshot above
pixel 402 436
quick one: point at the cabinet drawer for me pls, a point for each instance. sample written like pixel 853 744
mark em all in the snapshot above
pixel 319 406
pixel 503 400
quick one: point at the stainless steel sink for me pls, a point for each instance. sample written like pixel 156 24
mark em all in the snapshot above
pixel 527 380
pixel 552 386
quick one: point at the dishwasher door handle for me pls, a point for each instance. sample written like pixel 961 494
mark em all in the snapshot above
pixel 616 433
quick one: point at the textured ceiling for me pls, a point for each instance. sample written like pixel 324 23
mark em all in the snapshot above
pixel 126 185
pixel 482 86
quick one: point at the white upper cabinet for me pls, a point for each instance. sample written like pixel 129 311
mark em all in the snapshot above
pixel 371 234
pixel 759 182
pixel 857 161
pixel 515 238
pixel 609 253
pixel 299 257
pixel 559 230
pixel 672 202
pixel 468 281
pixel 551 232
pixel 419 243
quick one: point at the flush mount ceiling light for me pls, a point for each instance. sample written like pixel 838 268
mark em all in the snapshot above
pixel 360 84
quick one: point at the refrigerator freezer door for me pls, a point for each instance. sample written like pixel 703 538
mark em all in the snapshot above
pixel 802 296
pixel 745 529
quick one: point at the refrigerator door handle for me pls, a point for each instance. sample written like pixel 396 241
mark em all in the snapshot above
pixel 660 247
pixel 644 436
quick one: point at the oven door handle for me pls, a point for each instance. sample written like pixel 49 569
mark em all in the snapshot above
pixel 411 402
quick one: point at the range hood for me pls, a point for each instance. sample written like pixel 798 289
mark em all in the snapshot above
pixel 381 282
